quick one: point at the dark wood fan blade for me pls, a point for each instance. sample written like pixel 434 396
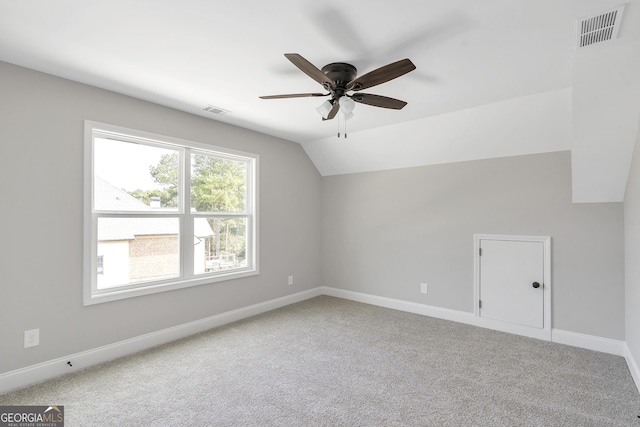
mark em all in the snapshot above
pixel 333 111
pixel 293 95
pixel 310 70
pixel 379 101
pixel 382 75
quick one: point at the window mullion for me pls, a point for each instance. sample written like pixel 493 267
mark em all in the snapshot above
pixel 251 208
pixel 187 239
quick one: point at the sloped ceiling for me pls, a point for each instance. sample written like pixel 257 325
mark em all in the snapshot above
pixel 494 78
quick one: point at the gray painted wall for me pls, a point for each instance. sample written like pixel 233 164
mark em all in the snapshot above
pixel 380 233
pixel 41 149
pixel 632 256
pixel 385 232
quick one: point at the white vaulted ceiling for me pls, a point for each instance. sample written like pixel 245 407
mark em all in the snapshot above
pixel 494 78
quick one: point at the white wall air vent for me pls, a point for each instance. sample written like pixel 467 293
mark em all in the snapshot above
pixel 599 28
pixel 215 110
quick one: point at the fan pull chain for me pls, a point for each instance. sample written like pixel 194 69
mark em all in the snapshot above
pixel 345 126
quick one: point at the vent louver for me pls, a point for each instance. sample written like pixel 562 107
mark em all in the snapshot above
pixel 215 110
pixel 599 28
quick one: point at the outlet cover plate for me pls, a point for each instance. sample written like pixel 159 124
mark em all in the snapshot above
pixel 31 338
pixel 423 288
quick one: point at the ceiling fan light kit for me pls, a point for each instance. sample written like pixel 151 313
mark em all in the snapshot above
pixel 324 109
pixel 339 78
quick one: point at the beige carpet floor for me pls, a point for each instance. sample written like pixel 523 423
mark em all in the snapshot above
pixel 332 362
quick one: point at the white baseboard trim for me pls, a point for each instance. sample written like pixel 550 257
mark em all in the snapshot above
pixel 19 378
pixel 590 342
pixel 633 366
pixel 438 312
pixel 53 368
pixel 396 304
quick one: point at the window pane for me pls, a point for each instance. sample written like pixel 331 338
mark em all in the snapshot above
pixel 132 250
pixel 134 177
pixel 219 244
pixel 217 184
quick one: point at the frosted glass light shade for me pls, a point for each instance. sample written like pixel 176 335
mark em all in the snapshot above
pixel 324 109
pixel 346 105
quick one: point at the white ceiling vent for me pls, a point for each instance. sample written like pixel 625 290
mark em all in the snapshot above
pixel 215 110
pixel 599 28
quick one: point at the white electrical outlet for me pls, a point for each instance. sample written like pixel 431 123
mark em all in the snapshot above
pixel 290 280
pixel 423 288
pixel 31 338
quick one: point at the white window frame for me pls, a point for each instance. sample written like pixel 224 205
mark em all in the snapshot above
pixel 187 278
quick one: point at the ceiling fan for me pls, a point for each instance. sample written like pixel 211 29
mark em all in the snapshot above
pixel 339 78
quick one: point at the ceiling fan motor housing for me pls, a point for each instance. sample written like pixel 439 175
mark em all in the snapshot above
pixel 341 74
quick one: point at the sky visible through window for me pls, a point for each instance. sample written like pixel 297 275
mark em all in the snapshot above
pixel 126 165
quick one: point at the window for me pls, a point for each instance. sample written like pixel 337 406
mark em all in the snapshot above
pixel 167 213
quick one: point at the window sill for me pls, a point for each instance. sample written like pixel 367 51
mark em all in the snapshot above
pixel 114 294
